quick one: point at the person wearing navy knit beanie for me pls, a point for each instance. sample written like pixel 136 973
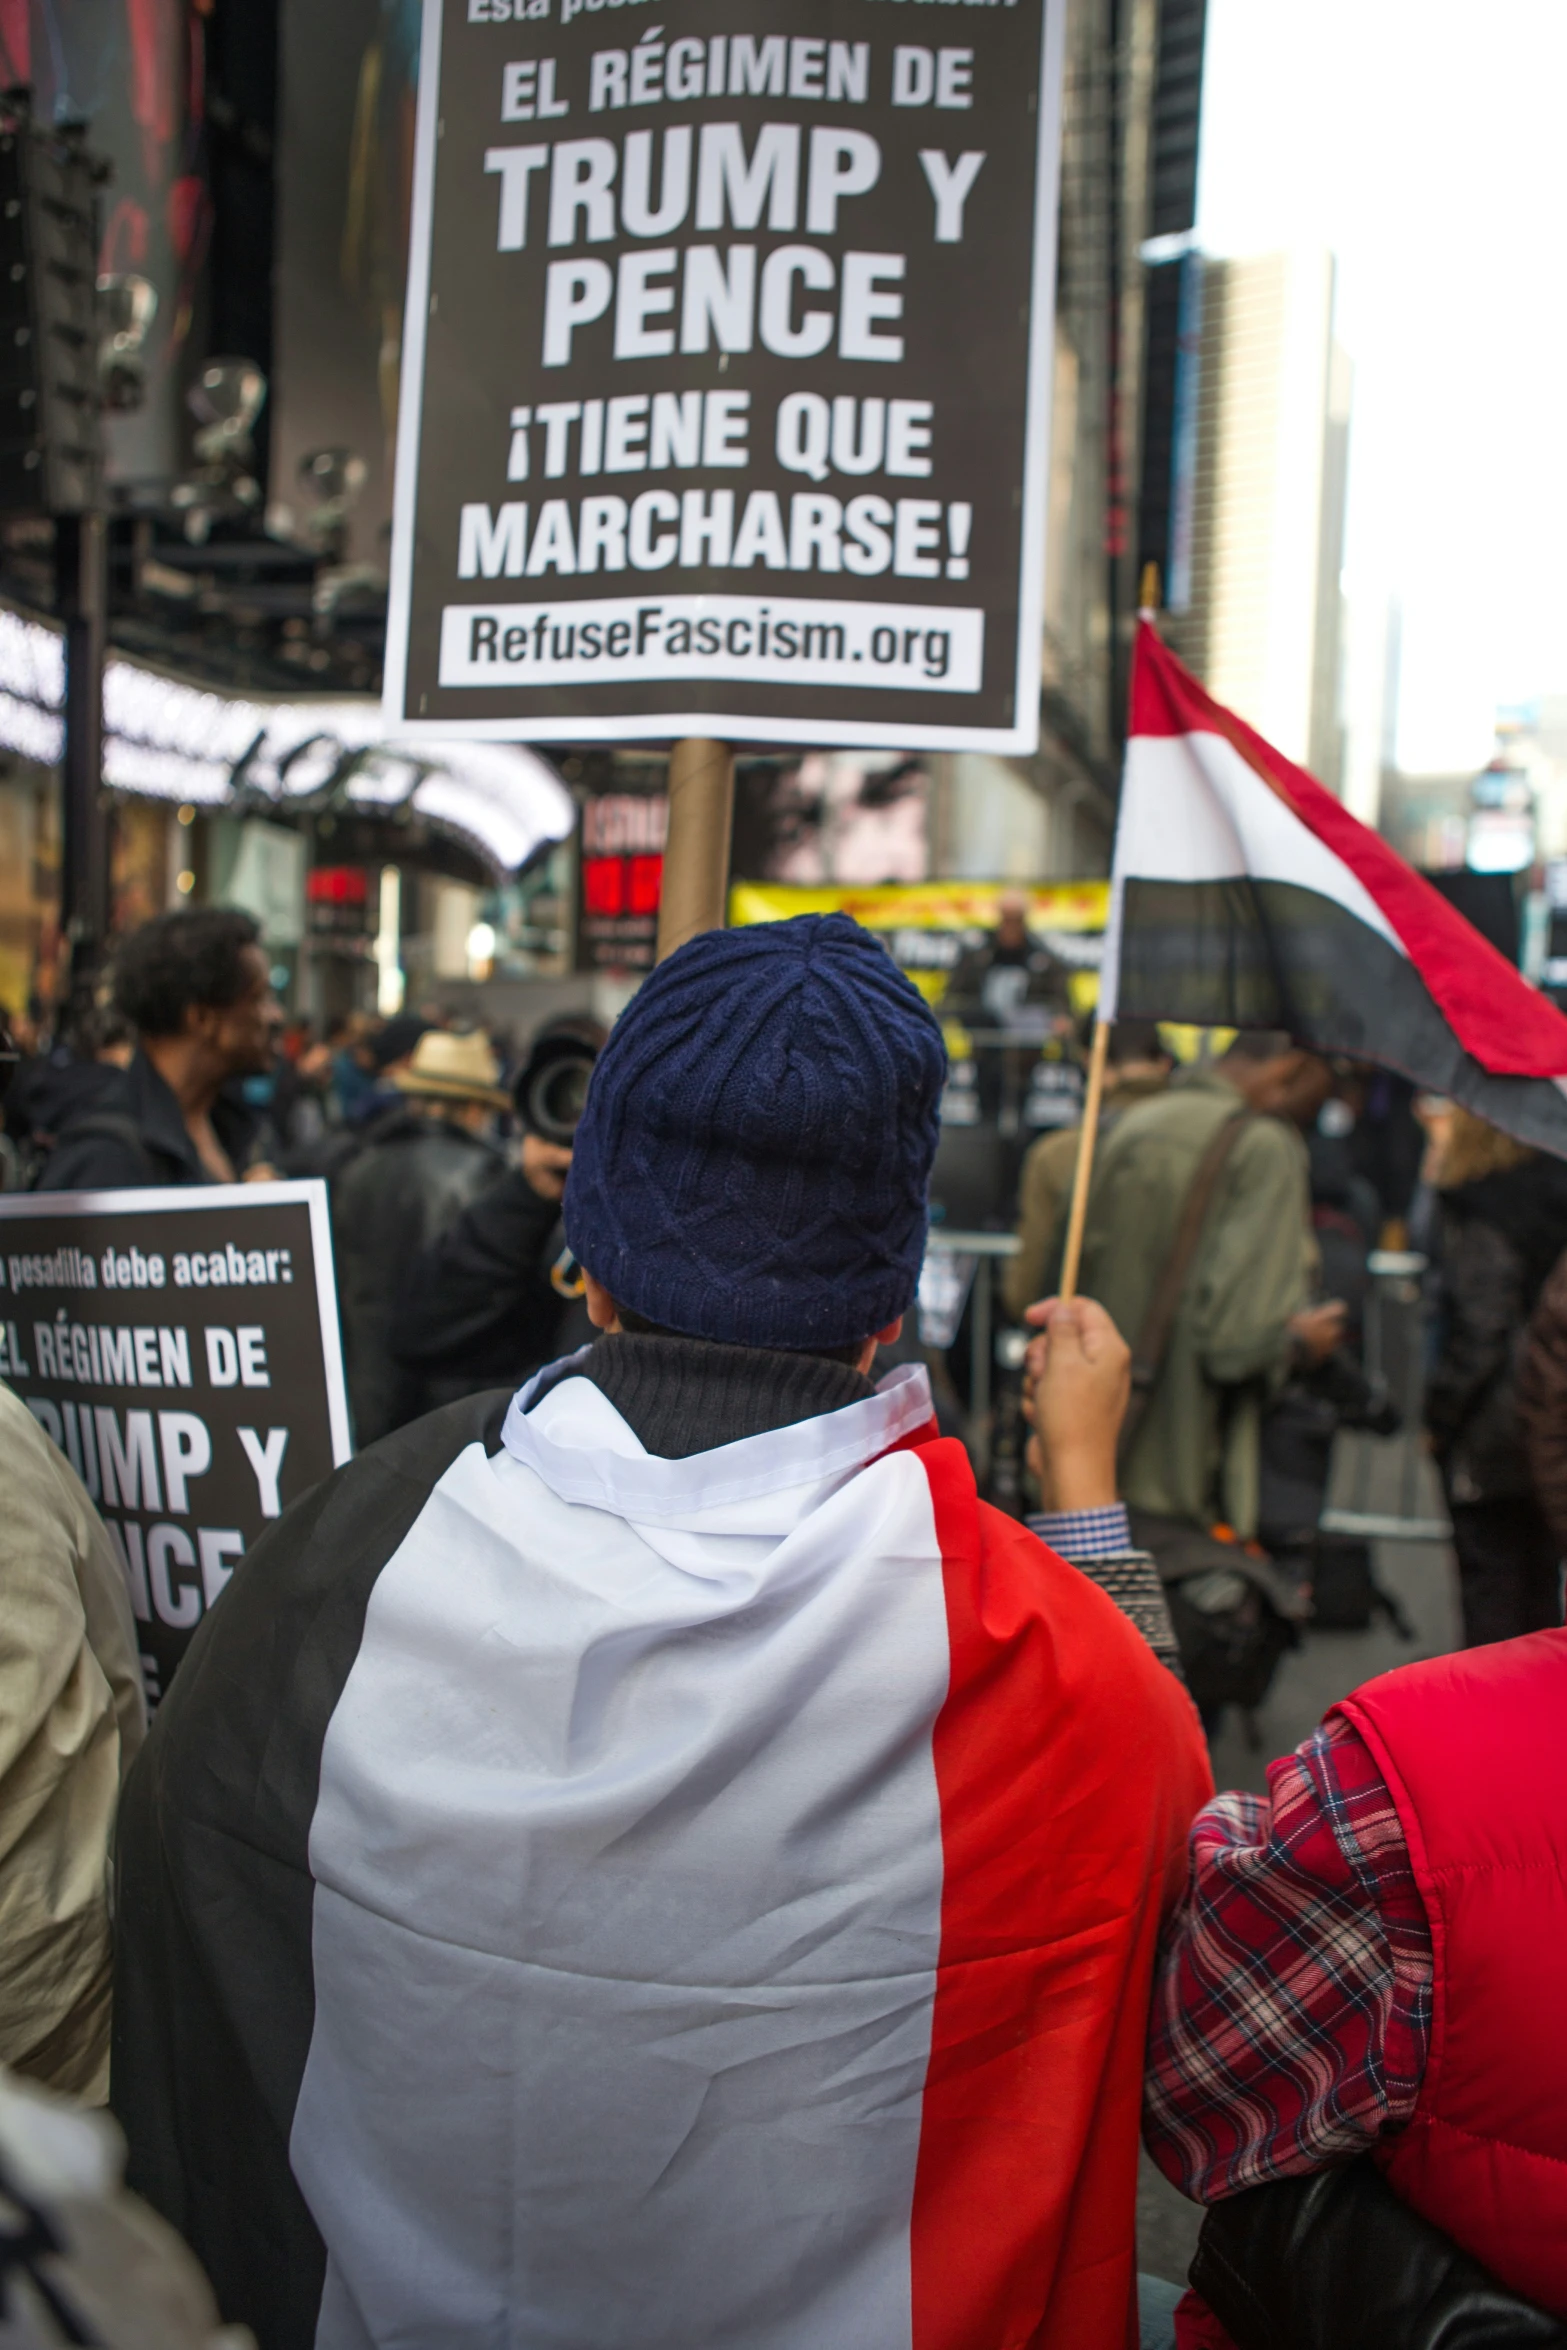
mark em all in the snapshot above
pixel 653 1862
pixel 754 1157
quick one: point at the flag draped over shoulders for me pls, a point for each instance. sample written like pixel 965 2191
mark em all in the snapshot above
pixel 585 1894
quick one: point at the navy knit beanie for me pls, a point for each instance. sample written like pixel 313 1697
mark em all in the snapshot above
pixel 753 1159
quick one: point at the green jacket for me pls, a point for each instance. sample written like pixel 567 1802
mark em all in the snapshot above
pixel 1045 1195
pixel 1196 1454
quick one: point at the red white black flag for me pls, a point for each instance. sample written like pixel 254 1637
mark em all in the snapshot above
pixel 1244 895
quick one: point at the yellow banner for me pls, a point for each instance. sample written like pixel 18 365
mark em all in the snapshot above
pixel 1068 907
pixel 926 905
pixel 900 910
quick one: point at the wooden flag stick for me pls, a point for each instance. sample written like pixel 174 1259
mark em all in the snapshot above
pixel 1085 1159
pixel 1071 1263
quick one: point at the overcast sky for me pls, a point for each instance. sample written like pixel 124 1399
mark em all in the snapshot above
pixel 1425 144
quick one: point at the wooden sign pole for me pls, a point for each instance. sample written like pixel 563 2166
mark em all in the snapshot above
pixel 695 893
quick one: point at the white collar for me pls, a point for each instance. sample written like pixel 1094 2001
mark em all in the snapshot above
pixel 576 1441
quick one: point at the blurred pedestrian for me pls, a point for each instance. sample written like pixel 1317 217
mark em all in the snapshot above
pixel 57 1086
pixel 1502 1223
pixel 196 988
pixel 72 1720
pixel 27 1046
pixel 106 1036
pixel 1014 994
pixel 1199 1245
pixel 495 1295
pixel 1243 1315
pixel 654 1860
pixel 382 1056
pixel 350 1037
pixel 1138 1065
pixel 425 1156
pixel 302 1080
pixel 1327 1393
pixel 1010 979
pixel 388 1055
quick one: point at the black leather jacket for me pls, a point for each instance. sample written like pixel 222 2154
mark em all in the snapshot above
pixel 1337 2262
pixel 122 1130
pixel 1500 1237
pixel 477 1309
pixel 410 1182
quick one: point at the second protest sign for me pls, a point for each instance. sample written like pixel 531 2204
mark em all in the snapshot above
pixel 181 1348
pixel 725 395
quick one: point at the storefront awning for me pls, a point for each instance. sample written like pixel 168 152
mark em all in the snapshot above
pixel 165 739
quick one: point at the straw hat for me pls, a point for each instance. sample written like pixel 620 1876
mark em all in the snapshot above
pixel 453 1068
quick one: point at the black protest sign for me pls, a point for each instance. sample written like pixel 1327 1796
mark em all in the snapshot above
pixel 181 1347
pixel 726 372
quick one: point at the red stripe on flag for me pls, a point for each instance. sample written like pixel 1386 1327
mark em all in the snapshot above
pixel 1068 1764
pixel 1507 1025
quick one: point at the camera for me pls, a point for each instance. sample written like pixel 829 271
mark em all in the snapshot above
pixel 551 1091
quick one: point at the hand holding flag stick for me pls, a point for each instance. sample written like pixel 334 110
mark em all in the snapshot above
pixel 1244 895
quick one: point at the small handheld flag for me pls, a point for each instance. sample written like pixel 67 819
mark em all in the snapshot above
pixel 1244 895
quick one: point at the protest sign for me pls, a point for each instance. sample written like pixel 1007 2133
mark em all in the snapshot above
pixel 181 1347
pixel 726 372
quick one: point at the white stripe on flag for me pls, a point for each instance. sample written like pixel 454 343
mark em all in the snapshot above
pixel 1192 809
pixel 627 1914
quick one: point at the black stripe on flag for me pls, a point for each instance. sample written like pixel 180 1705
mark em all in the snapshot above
pixel 1243 953
pixel 214 1998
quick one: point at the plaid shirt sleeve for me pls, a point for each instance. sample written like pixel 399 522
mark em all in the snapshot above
pixel 1085 1534
pixel 1292 2007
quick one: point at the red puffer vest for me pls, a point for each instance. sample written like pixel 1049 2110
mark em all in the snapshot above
pixel 1474 1750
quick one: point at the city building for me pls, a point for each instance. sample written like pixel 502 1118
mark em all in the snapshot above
pixel 1130 134
pixel 255 237
pixel 1256 607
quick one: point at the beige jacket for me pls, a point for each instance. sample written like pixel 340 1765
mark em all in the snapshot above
pixel 72 1719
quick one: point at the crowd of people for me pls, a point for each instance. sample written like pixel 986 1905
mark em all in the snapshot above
pixel 446 1162
pixel 647 1854
pixel 1247 1319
